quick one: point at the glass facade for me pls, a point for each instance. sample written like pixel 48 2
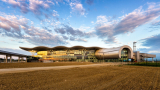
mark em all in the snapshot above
pixel 71 55
pixel 81 55
pixel 124 57
pixel 124 54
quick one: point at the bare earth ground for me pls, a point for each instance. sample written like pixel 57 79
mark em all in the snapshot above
pixel 24 65
pixel 88 78
pixel 28 69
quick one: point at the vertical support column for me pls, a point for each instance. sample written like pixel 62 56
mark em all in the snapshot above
pixel 6 58
pixel 152 60
pixel 21 59
pixel 18 59
pixel 68 54
pixel 146 60
pixel 10 59
pixel 103 57
pixel 138 59
pixel 83 55
pixel 26 59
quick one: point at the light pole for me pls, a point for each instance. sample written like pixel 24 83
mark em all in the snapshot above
pixel 100 56
pixel 103 57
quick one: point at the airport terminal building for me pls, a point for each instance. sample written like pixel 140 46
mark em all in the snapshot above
pixel 88 54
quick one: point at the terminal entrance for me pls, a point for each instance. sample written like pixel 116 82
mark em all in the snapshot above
pixel 124 55
pixel 123 58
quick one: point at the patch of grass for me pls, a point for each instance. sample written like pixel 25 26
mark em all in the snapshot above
pixel 38 64
pixel 146 64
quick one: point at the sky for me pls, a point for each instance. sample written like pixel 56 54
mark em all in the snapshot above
pixel 102 23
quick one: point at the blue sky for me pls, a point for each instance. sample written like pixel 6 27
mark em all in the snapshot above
pixel 103 23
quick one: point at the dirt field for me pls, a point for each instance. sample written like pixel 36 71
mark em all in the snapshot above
pixel 29 69
pixel 91 78
pixel 23 65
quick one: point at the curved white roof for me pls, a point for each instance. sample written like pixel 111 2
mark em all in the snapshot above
pixel 114 52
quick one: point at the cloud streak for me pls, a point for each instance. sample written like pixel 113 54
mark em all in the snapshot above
pixel 127 24
pixel 152 42
pixel 156 23
pixel 20 4
pixel 36 5
pixel 43 7
pixel 74 34
pixel 18 27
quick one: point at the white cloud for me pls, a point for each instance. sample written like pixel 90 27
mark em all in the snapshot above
pixel 18 27
pixel 13 2
pixel 4 26
pixel 43 37
pixel 23 27
pixel 21 4
pixel 83 28
pixel 154 52
pixel 32 22
pixel 156 23
pixel 55 13
pixel 92 21
pixel 127 24
pixel 36 6
pixel 65 29
pixel 11 21
pixel 39 6
pixel 102 20
pixel 151 5
pixel 77 39
pixel 77 8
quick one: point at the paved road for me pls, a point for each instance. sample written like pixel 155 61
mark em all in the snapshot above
pixel 18 70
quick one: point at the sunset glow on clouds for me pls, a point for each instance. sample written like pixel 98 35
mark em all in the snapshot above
pixel 106 23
